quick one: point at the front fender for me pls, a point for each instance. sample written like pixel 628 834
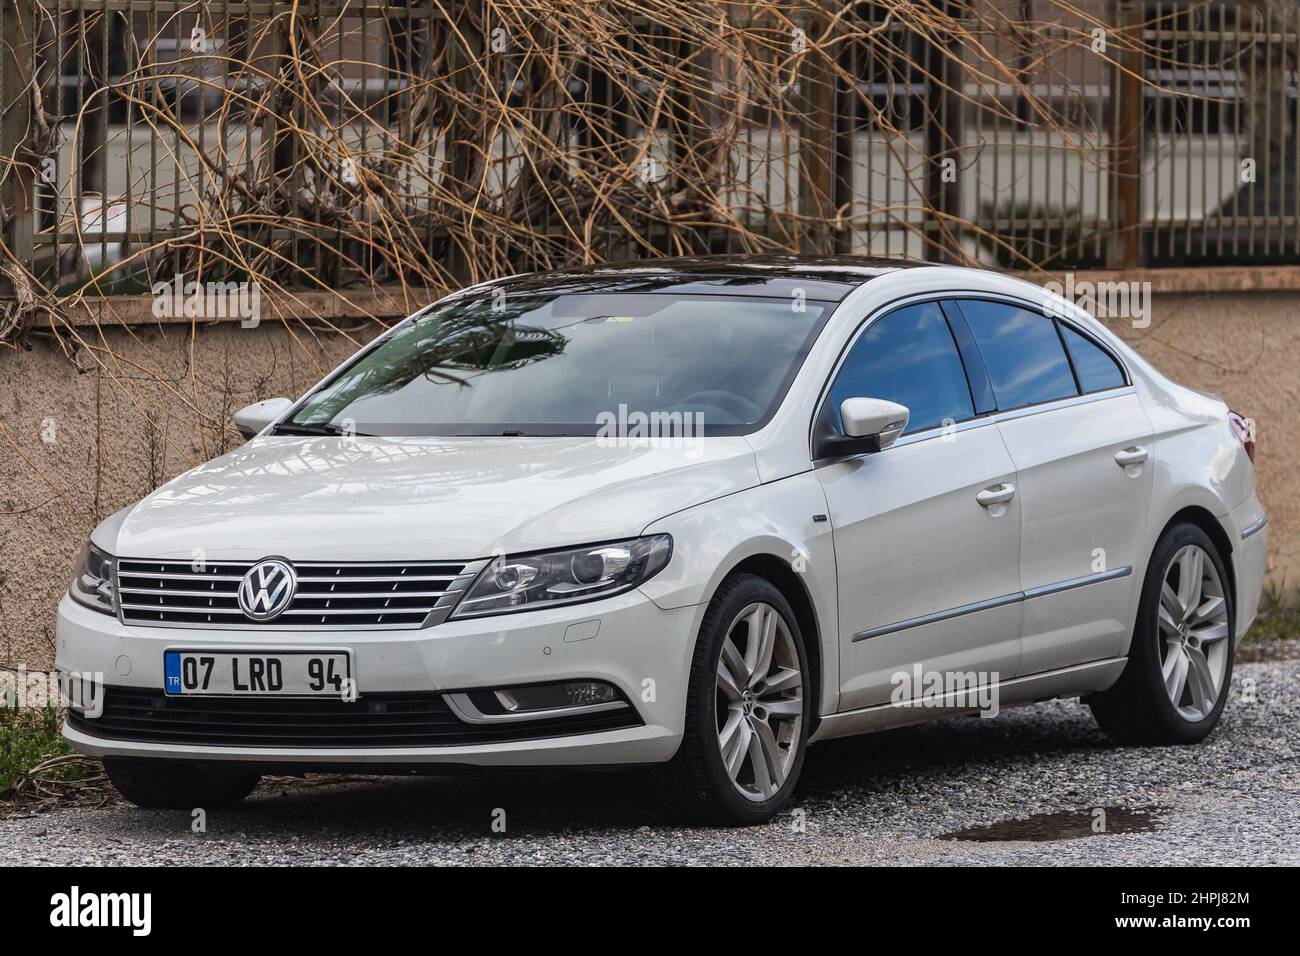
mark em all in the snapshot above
pixel 776 519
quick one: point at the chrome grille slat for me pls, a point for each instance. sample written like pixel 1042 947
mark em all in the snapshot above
pixel 172 576
pixel 134 590
pixel 302 595
pixel 331 611
pixel 313 579
pixel 331 596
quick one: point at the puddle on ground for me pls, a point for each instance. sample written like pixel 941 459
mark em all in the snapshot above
pixel 1064 825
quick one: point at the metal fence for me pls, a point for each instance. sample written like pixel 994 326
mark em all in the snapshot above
pixel 323 144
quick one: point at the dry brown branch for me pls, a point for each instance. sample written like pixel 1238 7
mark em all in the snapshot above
pixel 425 146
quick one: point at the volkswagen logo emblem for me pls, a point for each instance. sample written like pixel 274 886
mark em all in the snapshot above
pixel 267 589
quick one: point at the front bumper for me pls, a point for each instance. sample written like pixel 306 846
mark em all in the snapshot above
pixel 640 648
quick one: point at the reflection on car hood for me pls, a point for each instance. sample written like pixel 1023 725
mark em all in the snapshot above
pixel 379 499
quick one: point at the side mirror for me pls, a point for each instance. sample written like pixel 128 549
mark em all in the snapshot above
pixel 253 418
pixel 874 418
pixel 870 425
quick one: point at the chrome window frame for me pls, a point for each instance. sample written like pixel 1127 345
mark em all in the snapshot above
pixel 979 419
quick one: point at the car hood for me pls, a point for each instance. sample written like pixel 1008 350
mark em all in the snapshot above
pixel 381 499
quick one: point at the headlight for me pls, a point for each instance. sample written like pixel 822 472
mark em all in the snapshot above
pixel 564 577
pixel 92 582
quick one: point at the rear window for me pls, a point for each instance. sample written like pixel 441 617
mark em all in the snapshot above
pixel 1096 369
pixel 1022 353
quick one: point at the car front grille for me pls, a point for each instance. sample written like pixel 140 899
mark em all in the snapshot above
pixel 330 595
pixel 407 719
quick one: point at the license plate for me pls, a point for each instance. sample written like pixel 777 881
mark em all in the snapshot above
pixel 261 673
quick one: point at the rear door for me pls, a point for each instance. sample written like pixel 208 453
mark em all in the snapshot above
pixel 1082 447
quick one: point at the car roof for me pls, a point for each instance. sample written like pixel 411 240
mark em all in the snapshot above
pixel 821 278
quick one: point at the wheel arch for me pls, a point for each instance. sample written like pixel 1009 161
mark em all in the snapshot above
pixel 779 573
pixel 1204 519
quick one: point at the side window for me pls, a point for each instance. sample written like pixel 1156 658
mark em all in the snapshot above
pixel 1093 364
pixel 908 357
pixel 1022 353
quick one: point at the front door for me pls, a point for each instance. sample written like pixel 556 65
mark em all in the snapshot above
pixel 927 532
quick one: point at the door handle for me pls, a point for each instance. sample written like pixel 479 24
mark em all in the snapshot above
pixel 1133 455
pixel 996 495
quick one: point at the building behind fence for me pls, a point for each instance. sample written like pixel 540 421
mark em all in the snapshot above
pixel 318 145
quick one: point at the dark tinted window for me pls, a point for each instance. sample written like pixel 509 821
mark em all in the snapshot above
pixel 1096 369
pixel 1022 353
pixel 908 357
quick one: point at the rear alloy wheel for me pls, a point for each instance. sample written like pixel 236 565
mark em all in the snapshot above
pixel 1194 648
pixel 748 708
pixel 1175 684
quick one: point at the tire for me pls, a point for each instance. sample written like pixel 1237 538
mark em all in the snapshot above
pixel 700 787
pixel 1140 707
pixel 176 785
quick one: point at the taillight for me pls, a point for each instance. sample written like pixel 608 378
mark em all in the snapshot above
pixel 1244 428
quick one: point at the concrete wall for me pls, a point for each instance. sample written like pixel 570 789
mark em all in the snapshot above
pixel 57 481
pixel 1244 347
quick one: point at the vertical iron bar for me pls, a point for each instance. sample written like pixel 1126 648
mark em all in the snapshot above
pixel 1205 127
pixel 17 72
pixel 102 87
pixel 1238 123
pixel 1295 125
pixel 176 149
pixel 58 140
pixel 151 25
pixel 1128 161
pixel 1224 106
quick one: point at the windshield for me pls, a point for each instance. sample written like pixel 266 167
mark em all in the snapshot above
pixel 561 364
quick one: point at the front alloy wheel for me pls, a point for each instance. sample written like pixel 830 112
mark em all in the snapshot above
pixel 759 701
pixel 748 708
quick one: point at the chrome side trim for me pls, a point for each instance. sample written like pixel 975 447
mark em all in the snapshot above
pixel 1255 527
pixel 940 431
pixel 464 708
pixel 992 418
pixel 1078 582
pixel 991 603
pixel 937 616
pixel 1068 402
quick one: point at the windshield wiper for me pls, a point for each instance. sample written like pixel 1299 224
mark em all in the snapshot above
pixel 329 428
pixel 508 433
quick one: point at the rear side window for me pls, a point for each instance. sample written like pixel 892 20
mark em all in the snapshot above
pixel 1022 353
pixel 1093 364
pixel 908 357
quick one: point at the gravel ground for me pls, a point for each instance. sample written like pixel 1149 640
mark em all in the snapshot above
pixel 888 798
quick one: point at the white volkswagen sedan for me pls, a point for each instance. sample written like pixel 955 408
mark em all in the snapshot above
pixel 697 513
